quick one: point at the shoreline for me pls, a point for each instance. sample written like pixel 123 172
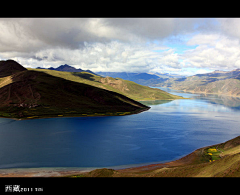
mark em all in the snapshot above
pixel 42 172
pixel 137 111
pixel 191 159
pixel 70 171
pixel 201 92
pixel 82 115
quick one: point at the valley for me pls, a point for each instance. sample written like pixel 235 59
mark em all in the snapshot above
pixel 45 93
pixel 216 82
pixel 128 146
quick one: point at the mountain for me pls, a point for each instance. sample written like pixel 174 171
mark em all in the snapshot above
pixel 10 67
pixel 67 68
pixel 36 94
pixel 148 79
pixel 124 87
pixel 217 82
pixel 129 76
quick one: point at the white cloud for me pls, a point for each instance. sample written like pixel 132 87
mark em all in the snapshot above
pixel 31 34
pixel 202 39
pixel 214 51
pixel 123 44
pixel 112 56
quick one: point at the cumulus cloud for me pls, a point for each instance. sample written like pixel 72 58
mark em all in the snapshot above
pixel 113 56
pixel 123 44
pixel 72 32
pixel 213 51
pixel 19 34
pixel 98 43
pixel 216 49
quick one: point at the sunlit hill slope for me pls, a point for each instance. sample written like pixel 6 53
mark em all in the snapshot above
pixel 26 94
pixel 125 87
pixel 37 93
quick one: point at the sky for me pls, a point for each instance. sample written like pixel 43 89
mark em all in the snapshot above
pixel 184 46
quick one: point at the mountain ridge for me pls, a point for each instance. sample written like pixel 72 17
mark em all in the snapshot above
pixel 28 94
pixel 147 79
pixel 216 82
pixel 125 87
pixel 67 68
pixel 10 67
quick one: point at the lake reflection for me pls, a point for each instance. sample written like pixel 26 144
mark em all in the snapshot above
pixel 228 102
pixel 167 131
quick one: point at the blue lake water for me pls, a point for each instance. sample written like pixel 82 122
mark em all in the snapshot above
pixel 168 131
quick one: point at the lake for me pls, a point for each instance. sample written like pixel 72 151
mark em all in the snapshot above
pixel 167 131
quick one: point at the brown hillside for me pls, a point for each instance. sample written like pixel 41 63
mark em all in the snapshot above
pixel 36 94
pixel 10 67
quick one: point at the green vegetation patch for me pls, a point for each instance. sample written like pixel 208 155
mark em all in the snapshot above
pixel 213 153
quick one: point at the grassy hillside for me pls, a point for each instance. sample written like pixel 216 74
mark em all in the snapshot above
pixel 124 87
pixel 220 160
pixel 37 93
pixel 27 94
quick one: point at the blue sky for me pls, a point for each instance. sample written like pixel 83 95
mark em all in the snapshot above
pixel 166 45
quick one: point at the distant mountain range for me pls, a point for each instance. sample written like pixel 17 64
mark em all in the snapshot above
pixel 148 79
pixel 124 87
pixel 216 82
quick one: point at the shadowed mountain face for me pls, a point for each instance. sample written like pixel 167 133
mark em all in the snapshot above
pixel 28 94
pixel 67 68
pixel 10 67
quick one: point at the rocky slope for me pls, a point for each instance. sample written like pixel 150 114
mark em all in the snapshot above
pixel 217 82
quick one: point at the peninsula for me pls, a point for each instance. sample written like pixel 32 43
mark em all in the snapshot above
pixel 38 93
